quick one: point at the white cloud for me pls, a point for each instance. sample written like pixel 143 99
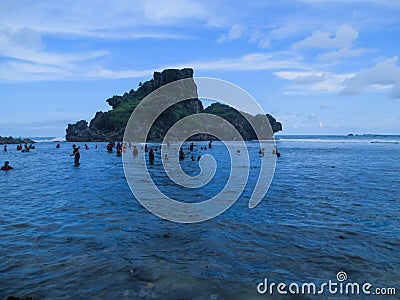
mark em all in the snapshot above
pixel 110 20
pixel 25 71
pixel 340 54
pixel 252 61
pixel 235 32
pixel 312 82
pixel 312 116
pixel 324 105
pixel 343 38
pixel 383 76
pixel 264 43
pixel 100 73
pixel 166 12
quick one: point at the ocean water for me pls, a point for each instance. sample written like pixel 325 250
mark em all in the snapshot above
pixel 71 232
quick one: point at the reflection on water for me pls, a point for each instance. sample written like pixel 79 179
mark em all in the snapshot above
pixel 68 232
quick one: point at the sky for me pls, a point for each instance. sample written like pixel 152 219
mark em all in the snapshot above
pixel 318 66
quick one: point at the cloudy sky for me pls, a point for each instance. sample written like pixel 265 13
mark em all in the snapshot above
pixel 319 66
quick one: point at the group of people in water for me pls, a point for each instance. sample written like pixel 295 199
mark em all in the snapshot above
pixel 26 148
pixel 121 148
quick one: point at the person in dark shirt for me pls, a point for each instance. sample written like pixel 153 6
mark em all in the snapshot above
pixel 5 148
pixel 77 154
pixel 181 154
pixel 6 166
pixel 151 156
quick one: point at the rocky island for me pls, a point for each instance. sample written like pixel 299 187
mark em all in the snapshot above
pixel 110 125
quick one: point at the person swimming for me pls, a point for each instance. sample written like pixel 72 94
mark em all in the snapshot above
pixel 19 147
pixel 210 144
pixel 76 154
pixel 58 146
pixel 6 167
pixel 151 156
pixel 192 158
pixel 191 147
pixel 86 147
pixel 5 148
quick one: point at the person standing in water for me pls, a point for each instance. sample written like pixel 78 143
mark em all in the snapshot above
pixel 5 148
pixel 76 154
pixel 6 166
pixel 181 154
pixel 110 147
pixel 135 151
pixel 151 156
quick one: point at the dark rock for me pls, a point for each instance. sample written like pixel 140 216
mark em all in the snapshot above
pixel 11 140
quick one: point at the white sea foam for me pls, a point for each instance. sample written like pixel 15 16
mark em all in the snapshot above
pixel 48 139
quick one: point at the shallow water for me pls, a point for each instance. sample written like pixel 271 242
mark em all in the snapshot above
pixel 77 232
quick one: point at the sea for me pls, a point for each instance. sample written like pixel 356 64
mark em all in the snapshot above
pixel 333 207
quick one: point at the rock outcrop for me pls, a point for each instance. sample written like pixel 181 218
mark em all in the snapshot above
pixel 237 119
pixel 11 140
pixel 110 125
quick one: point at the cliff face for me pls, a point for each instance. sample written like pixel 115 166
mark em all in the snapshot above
pixel 110 125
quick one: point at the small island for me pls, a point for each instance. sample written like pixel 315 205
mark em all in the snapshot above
pixel 110 125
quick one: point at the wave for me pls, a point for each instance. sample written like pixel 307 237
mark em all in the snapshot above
pixel 48 139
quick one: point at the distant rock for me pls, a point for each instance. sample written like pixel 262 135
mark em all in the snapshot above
pixel 11 140
pixel 110 125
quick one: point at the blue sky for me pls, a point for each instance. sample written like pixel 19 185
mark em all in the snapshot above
pixel 320 67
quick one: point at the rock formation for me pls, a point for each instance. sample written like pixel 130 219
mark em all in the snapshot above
pixel 11 140
pixel 110 125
